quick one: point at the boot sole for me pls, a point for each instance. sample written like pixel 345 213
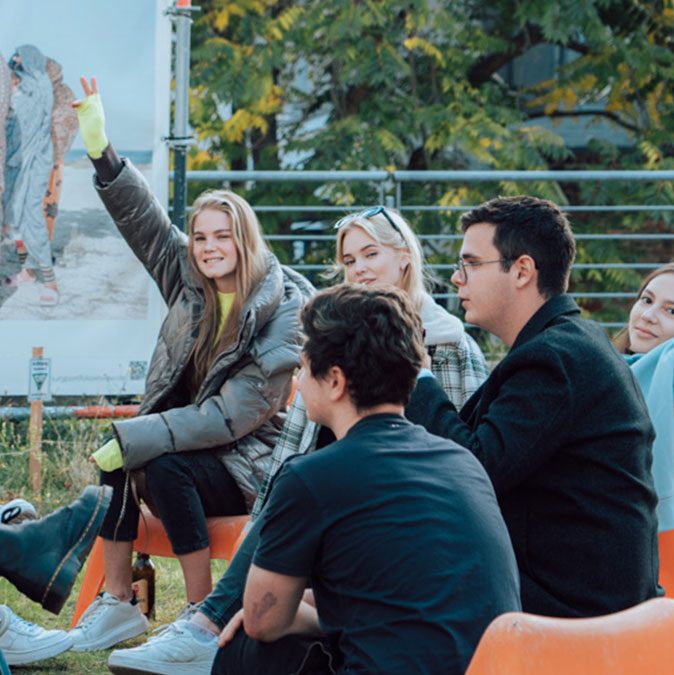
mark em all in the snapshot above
pixel 62 580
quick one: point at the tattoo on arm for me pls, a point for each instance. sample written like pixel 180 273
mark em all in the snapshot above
pixel 262 607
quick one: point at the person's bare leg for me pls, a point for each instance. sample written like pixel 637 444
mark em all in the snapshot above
pixel 197 572
pixel 204 622
pixel 117 563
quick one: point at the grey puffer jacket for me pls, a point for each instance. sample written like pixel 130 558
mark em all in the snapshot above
pixel 235 412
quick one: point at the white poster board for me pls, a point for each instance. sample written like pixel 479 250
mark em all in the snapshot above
pixel 100 333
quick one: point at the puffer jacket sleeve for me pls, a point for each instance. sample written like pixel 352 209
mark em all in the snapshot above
pixel 247 399
pixel 141 220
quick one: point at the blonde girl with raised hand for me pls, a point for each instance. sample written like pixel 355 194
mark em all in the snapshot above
pixel 220 373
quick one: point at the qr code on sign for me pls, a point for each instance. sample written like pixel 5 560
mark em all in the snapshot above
pixel 137 370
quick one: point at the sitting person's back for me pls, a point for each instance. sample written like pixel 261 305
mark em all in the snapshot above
pixel 401 535
pixel 397 531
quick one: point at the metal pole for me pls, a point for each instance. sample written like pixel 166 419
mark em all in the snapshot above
pixel 180 136
pixel 35 438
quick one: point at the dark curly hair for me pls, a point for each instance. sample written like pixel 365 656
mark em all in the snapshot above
pixel 530 226
pixel 373 334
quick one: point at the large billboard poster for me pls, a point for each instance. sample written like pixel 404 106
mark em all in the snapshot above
pixel 68 282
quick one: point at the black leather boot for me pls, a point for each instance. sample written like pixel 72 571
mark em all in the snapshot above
pixel 42 557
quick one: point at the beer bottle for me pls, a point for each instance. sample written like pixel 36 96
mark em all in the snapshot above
pixel 142 576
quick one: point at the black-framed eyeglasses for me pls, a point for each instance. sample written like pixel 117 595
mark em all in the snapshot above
pixel 367 214
pixel 461 266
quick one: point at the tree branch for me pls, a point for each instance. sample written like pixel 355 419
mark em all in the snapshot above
pixel 614 117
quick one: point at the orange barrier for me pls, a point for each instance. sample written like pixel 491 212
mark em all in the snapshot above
pixel 666 550
pixel 636 641
pixel 106 411
pixel 69 411
pixel 225 533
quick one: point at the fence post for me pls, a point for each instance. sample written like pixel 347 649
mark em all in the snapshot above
pixel 180 138
pixel 35 437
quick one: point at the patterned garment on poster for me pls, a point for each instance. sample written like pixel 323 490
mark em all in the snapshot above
pixel 32 158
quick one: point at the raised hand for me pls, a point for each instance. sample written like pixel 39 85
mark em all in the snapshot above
pixel 91 116
pixel 89 90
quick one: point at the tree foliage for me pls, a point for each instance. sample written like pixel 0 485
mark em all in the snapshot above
pixel 421 84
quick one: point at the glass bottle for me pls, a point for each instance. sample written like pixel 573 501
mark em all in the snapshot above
pixel 142 582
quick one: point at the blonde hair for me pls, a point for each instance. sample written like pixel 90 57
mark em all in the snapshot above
pixel 622 340
pixel 415 278
pixel 250 269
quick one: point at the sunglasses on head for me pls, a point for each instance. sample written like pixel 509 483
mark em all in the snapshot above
pixel 367 214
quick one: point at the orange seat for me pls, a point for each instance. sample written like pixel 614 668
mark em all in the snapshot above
pixel 666 550
pixel 636 641
pixel 225 534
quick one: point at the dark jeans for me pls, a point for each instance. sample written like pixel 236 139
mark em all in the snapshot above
pixel 226 599
pixel 4 668
pixel 291 655
pixel 186 488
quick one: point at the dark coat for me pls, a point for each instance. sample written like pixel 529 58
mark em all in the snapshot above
pixel 563 431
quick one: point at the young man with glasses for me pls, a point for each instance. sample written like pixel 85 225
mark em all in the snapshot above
pixel 559 425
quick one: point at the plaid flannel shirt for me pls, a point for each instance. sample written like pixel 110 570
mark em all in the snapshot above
pixel 459 367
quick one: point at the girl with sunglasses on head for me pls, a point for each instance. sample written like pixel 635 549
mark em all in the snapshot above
pixel 220 373
pixel 648 345
pixel 377 246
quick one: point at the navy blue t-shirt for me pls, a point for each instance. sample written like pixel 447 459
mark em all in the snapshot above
pixel 402 539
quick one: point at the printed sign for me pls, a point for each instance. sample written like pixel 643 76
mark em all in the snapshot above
pixel 68 281
pixel 39 384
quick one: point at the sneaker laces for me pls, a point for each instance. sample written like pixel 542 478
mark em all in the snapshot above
pixel 187 612
pixel 164 631
pixel 93 610
pixel 16 621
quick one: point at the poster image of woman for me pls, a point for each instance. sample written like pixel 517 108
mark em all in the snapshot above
pixel 29 162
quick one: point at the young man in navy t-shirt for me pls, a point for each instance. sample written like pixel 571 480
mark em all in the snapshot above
pixel 396 532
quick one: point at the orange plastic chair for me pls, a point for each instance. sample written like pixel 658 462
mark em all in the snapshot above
pixel 636 641
pixel 225 534
pixel 666 550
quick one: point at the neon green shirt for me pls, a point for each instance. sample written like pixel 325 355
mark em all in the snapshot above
pixel 226 304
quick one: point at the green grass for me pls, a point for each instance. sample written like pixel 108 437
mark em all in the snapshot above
pixel 169 600
pixel 67 445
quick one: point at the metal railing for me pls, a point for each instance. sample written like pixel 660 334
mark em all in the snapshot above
pixel 389 187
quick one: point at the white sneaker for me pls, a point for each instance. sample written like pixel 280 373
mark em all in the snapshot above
pixel 106 622
pixel 17 511
pixel 23 642
pixel 181 648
